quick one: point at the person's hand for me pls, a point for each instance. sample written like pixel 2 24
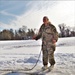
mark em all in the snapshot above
pixel 54 41
pixel 34 38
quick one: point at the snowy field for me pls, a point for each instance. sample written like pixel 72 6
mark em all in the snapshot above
pixel 17 55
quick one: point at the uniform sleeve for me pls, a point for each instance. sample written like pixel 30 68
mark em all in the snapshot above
pixel 55 34
pixel 39 34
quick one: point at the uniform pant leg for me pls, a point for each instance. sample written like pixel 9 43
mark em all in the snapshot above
pixel 51 55
pixel 45 57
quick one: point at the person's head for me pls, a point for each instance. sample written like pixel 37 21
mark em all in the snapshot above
pixel 45 20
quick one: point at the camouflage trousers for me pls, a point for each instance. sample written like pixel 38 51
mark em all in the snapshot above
pixel 48 54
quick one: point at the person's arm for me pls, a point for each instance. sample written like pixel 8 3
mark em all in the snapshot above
pixel 55 35
pixel 39 34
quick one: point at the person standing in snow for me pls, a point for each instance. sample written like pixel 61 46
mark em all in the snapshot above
pixel 49 36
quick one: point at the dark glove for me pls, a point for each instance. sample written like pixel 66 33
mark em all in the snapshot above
pixel 34 38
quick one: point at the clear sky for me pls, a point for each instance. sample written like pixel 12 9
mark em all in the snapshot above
pixel 16 13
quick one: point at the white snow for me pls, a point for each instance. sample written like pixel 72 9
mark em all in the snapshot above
pixel 23 54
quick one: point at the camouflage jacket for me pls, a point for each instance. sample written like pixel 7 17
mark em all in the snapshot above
pixel 47 33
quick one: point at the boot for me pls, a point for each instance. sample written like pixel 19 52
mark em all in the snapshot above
pixel 51 67
pixel 45 67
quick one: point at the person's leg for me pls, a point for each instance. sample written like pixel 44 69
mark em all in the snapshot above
pixel 51 55
pixel 45 57
pixel 51 58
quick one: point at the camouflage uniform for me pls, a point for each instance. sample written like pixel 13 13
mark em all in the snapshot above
pixel 48 33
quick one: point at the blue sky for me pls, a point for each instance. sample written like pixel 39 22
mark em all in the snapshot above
pixel 9 9
pixel 16 13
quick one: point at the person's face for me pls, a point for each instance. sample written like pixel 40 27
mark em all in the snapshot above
pixel 45 20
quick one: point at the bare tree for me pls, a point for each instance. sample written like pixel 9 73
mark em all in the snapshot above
pixel 62 29
pixel 6 35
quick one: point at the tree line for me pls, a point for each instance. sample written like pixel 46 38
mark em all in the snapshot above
pixel 24 34
pixel 19 34
pixel 66 31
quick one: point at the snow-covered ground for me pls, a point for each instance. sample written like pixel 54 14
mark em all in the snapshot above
pixel 15 55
